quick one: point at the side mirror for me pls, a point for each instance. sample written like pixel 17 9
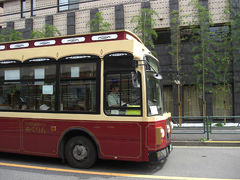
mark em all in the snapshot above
pixel 157 76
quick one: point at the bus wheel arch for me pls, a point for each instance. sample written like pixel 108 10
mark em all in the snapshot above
pixel 81 134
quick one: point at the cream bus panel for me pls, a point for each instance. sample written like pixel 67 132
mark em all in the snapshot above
pixel 57 52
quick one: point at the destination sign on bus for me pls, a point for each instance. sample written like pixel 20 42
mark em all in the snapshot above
pixel 9 62
pixel 19 45
pixel 2 47
pixel 45 43
pixel 104 37
pixel 73 40
pixel 78 57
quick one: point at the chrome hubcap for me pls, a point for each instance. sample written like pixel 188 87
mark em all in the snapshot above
pixel 80 152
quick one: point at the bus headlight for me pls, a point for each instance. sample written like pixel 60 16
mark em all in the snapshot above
pixel 162 132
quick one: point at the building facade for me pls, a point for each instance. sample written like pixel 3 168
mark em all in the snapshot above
pixel 73 16
pixel 1 13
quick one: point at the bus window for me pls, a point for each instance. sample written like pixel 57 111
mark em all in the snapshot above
pixel 28 87
pixel 154 88
pixel 122 96
pixel 78 87
pixel 38 87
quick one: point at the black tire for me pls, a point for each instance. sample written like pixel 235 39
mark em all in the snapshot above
pixel 80 152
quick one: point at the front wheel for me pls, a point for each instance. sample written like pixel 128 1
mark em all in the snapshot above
pixel 80 152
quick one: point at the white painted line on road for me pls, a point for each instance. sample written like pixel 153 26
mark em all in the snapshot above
pixel 232 142
pixel 108 174
pixel 206 147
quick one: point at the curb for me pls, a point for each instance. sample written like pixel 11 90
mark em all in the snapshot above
pixel 207 143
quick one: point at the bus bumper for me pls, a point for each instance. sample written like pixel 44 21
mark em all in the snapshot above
pixel 160 154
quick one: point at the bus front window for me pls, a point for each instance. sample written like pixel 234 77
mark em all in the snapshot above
pixel 122 95
pixel 154 90
pixel 154 95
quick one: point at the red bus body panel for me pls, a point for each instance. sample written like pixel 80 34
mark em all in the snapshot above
pixel 129 141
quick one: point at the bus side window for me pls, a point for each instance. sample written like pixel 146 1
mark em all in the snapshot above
pixel 122 96
pixel 38 87
pixel 78 83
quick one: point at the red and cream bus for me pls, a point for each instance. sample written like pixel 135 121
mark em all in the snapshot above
pixel 57 99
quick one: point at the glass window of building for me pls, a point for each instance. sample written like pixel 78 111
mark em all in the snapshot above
pixel 222 101
pixel 168 98
pixel 23 8
pixel 192 101
pixel 65 5
pixel 33 7
pixel 164 37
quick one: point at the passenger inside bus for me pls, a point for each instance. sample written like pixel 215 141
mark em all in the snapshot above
pixel 18 101
pixel 3 103
pixel 114 98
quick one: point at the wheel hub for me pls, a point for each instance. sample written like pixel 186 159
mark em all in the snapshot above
pixel 80 152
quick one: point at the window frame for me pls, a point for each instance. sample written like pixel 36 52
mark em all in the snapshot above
pixel 94 59
pixel 21 82
pixel 145 58
pixel 33 7
pixel 23 8
pixel 105 105
pixel 68 5
pixel 56 80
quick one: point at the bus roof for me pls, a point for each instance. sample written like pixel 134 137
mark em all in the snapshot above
pixel 70 39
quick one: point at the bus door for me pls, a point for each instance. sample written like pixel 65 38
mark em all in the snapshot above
pixel 123 100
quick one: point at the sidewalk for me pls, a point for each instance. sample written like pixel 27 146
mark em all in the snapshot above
pixel 197 137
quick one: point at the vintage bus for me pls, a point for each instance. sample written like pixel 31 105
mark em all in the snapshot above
pixel 83 97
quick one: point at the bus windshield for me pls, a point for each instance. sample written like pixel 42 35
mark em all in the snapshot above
pixel 154 90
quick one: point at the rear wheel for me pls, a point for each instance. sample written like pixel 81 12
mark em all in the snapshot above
pixel 80 152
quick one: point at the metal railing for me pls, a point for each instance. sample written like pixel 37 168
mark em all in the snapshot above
pixel 206 125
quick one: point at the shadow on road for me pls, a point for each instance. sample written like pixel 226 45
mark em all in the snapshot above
pixel 100 166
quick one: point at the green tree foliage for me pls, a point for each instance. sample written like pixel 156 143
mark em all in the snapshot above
pixel 7 35
pixel 212 56
pixel 176 56
pixel 201 46
pixel 144 28
pixel 223 61
pixel 98 24
pixel 46 31
pixel 234 23
pixel 175 45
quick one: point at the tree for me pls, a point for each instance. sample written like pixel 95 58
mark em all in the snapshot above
pixel 176 57
pixel 202 43
pixel 144 28
pixel 46 31
pixel 234 12
pixel 223 61
pixel 98 24
pixel 7 35
pixel 212 58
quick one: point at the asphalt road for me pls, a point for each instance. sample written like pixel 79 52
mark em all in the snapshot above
pixel 184 163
